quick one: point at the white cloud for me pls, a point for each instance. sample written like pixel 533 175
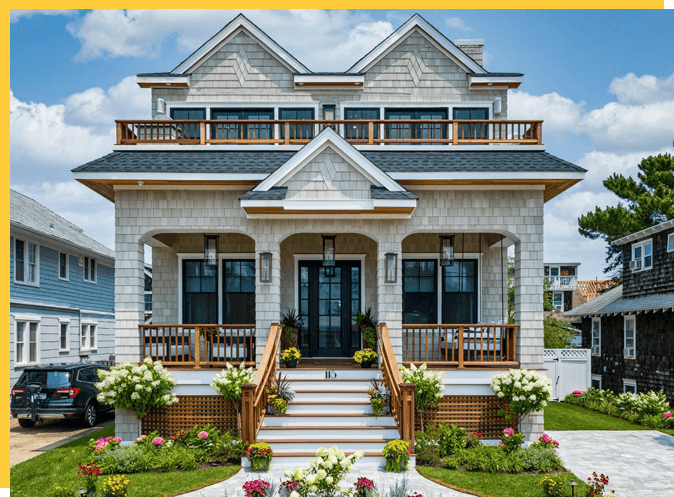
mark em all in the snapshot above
pixel 561 114
pixel 632 89
pixel 16 14
pixel 322 40
pixel 457 23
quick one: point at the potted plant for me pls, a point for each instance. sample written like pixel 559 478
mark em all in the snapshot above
pixel 397 454
pixel 259 455
pixel 379 396
pixel 279 395
pixel 368 326
pixel 365 357
pixel 291 322
pixel 291 357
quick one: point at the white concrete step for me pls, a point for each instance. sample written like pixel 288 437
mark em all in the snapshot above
pixel 323 397
pixel 330 385
pixel 333 433
pixel 288 461
pixel 339 420
pixel 348 446
pixel 295 407
pixel 328 374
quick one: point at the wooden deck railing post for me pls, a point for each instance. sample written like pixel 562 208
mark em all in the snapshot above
pixel 197 348
pixel 370 136
pixel 247 413
pixel 455 133
pixel 539 133
pixel 407 414
pixel 287 133
pixel 202 133
pixel 460 348
pixel 119 133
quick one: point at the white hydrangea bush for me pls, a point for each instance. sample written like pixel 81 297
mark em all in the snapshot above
pixel 330 467
pixel 136 386
pixel 524 391
pixel 228 384
pixel 427 388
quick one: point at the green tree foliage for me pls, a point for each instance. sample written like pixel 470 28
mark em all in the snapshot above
pixel 643 203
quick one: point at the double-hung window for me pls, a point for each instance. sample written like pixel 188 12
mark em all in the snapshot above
pixel 64 335
pixel 670 242
pixel 558 301
pixel 630 386
pixel 630 331
pixel 596 336
pixel 26 341
pixel 90 270
pixel 26 262
pixel 642 255
pixel 64 266
pixel 472 131
pixel 88 336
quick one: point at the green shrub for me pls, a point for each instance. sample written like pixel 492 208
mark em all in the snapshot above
pixel 539 460
pixel 452 438
pixel 227 448
pixel 450 462
pixel 174 459
pixel 426 444
pixel 473 440
pixel 653 421
pixel 127 459
pixel 632 417
pixel 651 403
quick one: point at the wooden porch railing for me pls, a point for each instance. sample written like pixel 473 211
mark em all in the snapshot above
pixel 199 345
pixel 253 396
pixel 299 132
pixel 460 345
pixel 402 394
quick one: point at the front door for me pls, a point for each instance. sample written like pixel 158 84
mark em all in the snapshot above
pixel 329 302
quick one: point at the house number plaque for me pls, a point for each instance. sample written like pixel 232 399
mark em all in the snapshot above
pixel 330 375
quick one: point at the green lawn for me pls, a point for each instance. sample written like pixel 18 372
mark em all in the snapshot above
pixel 566 417
pixel 495 484
pixel 37 477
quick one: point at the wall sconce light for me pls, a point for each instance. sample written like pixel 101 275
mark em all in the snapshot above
pixel 211 250
pixel 447 250
pixel 391 268
pixel 265 267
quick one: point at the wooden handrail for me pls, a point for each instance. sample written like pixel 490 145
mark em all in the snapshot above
pixel 402 394
pixel 297 132
pixel 460 345
pixel 254 396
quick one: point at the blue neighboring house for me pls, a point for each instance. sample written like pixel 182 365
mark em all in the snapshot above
pixel 62 290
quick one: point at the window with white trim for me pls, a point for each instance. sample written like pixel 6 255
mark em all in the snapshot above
pixel 558 301
pixel 670 242
pixel 88 337
pixel 630 386
pixel 26 333
pixel 596 336
pixel 642 255
pixel 90 270
pixel 64 266
pixel 26 262
pixel 64 335
pixel 596 381
pixel 629 351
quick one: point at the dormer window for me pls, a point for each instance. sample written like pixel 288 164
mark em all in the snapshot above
pixel 642 255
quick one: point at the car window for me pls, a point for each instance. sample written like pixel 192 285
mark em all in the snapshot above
pixel 86 374
pixel 48 378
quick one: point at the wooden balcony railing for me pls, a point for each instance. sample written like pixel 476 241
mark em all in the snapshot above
pixel 460 345
pixel 253 396
pixel 357 132
pixel 199 345
pixel 402 394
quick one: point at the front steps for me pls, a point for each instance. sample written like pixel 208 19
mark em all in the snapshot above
pixel 331 407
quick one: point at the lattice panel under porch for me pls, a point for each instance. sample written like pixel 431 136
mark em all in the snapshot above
pixel 189 411
pixel 472 412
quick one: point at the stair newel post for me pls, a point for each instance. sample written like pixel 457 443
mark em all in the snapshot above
pixel 407 412
pixel 248 416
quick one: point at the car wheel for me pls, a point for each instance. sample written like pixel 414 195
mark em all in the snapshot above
pixel 90 415
pixel 26 423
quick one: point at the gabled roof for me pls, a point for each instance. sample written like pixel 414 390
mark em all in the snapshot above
pixel 644 233
pixel 25 213
pixel 595 305
pixel 221 37
pixel 419 23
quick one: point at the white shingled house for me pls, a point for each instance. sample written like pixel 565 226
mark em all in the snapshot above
pixel 396 185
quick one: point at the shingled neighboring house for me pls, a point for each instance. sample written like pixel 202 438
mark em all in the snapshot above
pixel 61 287
pixel 630 328
pixel 398 184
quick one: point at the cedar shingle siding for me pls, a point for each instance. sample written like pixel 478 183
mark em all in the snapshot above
pixel 659 279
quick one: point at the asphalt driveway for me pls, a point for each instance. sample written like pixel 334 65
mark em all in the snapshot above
pixel 638 463
pixel 25 443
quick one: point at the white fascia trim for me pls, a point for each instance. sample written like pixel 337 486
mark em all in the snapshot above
pixel 151 147
pixel 220 39
pixel 163 80
pixel 495 80
pixel 323 205
pixel 488 176
pixel 494 147
pixel 318 215
pixel 170 176
pixel 329 78
pixel 644 233
pixel 431 33
pixel 324 139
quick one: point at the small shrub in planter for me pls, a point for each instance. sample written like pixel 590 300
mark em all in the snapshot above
pixel 368 325
pixel 511 441
pixel 377 406
pixel 397 454
pixel 365 357
pixel 553 485
pixel 278 404
pixel 291 357
pixel 259 455
pixel 115 486
pixel 291 322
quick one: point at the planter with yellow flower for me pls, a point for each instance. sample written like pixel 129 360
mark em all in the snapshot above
pixel 291 357
pixel 397 454
pixel 365 357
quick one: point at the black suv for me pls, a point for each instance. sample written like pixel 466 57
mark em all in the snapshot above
pixel 57 392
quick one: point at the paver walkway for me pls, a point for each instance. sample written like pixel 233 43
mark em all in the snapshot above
pixel 417 483
pixel 638 463
pixel 25 443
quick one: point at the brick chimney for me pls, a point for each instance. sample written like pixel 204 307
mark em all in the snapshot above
pixel 473 48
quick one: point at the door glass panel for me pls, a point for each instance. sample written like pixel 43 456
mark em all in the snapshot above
pixel 239 292
pixel 420 292
pixel 459 296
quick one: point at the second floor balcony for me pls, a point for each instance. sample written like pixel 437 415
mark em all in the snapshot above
pixel 562 281
pixel 447 132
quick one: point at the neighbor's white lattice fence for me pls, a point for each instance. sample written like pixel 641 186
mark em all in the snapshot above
pixel 569 370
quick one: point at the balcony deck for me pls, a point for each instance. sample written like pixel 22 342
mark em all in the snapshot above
pixel 446 132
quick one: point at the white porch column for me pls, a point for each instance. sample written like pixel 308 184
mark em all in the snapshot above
pixel 529 311
pixel 390 295
pixel 267 295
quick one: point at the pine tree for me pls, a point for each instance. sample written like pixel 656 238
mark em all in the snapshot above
pixel 643 203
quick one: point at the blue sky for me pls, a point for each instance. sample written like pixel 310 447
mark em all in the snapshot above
pixel 602 80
